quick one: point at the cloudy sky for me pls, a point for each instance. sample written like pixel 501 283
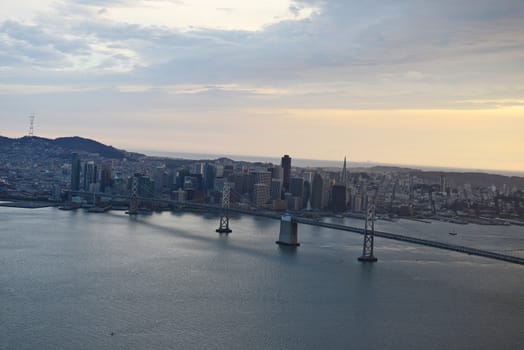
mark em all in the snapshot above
pixel 408 81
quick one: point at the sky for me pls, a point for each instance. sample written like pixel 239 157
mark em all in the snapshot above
pixel 437 83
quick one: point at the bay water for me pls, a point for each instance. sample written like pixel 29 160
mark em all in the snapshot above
pixel 79 280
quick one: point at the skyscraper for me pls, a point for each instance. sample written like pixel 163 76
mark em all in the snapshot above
pixel 338 198
pixel 296 186
pixel 90 175
pixel 442 183
pixel 75 172
pixel 209 177
pixel 286 166
pixel 344 176
pixel 316 195
pixel 105 181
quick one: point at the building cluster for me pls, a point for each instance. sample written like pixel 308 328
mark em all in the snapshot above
pixel 260 186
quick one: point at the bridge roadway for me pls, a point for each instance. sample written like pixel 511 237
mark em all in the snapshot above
pixel 312 222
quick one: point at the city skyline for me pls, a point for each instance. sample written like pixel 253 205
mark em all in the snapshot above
pixel 426 84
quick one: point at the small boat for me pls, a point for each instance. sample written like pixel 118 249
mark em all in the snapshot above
pixel 453 233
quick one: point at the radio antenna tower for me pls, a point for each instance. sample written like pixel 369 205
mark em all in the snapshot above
pixel 31 125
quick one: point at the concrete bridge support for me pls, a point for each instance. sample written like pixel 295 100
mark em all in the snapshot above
pixel 288 231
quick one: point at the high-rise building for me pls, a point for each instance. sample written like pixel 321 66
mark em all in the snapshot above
pixel 198 168
pixel 344 176
pixel 209 177
pixel 277 172
pixel 260 194
pixel 286 167
pixel 307 195
pixel 228 170
pixel 262 177
pixel 276 188
pixel 338 198
pixel 442 183
pixel 296 186
pixel 180 177
pixel 317 192
pixel 75 172
pixel 106 175
pixel 146 187
pixel 159 177
pixel 90 175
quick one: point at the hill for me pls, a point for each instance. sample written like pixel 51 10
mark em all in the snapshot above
pixel 62 146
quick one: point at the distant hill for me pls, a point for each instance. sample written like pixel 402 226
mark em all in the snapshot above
pixel 455 178
pixel 61 145
pixel 77 143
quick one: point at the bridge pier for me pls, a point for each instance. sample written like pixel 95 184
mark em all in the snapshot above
pixel 288 232
pixel 224 224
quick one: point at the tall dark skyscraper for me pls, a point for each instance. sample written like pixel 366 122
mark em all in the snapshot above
pixel 338 198
pixel 286 167
pixel 316 192
pixel 105 180
pixel 75 172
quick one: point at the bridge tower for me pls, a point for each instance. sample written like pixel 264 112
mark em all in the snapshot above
pixel 133 202
pixel 224 219
pixel 369 233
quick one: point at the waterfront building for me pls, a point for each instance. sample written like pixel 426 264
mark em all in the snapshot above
pixel 294 202
pixel 179 195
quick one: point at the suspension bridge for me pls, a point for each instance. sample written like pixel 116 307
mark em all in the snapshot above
pixel 288 235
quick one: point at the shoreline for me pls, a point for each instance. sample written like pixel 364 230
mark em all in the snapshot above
pixel 484 221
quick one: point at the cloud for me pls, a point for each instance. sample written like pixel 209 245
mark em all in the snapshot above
pixel 373 54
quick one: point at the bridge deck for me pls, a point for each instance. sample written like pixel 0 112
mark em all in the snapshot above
pixel 420 241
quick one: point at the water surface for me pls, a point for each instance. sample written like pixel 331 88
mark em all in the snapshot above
pixel 68 280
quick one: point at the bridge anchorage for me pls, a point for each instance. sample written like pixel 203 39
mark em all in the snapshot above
pixel 369 234
pixel 133 202
pixel 224 219
pixel 288 231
